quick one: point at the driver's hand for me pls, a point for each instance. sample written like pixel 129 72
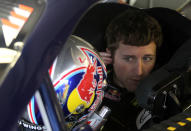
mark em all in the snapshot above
pixel 106 57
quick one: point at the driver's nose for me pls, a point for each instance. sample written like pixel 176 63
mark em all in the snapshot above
pixel 139 68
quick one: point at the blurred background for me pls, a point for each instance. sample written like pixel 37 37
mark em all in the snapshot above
pixel 182 6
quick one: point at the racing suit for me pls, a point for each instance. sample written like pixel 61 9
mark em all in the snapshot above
pixel 125 115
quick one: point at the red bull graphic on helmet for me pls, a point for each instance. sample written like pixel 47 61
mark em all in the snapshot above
pixel 86 86
pixel 100 68
pixel 78 87
pixel 88 93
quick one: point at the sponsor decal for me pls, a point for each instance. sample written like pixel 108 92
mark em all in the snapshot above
pixel 142 118
pixel 113 94
pixel 31 126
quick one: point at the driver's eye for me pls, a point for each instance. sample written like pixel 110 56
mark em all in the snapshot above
pixel 129 58
pixel 147 58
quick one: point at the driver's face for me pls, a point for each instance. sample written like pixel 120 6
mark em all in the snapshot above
pixel 132 63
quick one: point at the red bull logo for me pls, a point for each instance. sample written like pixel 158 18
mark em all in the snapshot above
pixel 86 87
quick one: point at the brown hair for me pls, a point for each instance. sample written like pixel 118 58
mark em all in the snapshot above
pixel 133 27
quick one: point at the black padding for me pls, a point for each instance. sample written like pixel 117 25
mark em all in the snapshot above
pixel 181 59
pixel 176 31
pixel 94 23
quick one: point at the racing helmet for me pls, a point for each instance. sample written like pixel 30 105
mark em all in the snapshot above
pixel 78 76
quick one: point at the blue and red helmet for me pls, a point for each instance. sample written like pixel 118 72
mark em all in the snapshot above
pixel 78 75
